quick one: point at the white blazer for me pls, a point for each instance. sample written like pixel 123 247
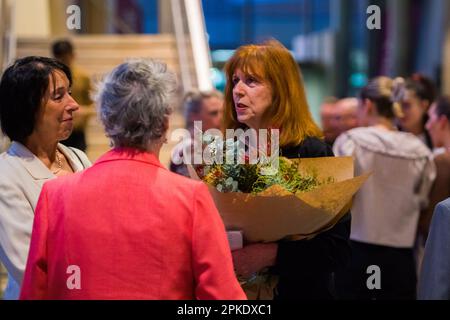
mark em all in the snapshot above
pixel 22 176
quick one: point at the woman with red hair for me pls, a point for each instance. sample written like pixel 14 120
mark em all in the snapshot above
pixel 265 90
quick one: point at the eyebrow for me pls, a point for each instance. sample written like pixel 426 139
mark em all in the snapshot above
pixel 58 90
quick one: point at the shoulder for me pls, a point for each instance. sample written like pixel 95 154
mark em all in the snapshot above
pixel 178 180
pixel 76 155
pixel 443 206
pixel 80 73
pixel 441 217
pixel 311 147
pixel 11 170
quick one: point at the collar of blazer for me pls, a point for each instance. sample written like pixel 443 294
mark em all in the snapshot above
pixel 130 154
pixel 33 164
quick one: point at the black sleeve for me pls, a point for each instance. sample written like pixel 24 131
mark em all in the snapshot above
pixel 309 148
pixel 327 251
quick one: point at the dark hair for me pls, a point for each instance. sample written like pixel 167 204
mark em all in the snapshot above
pixel 422 86
pixel 22 89
pixel 424 89
pixel 443 107
pixel 384 92
pixel 61 48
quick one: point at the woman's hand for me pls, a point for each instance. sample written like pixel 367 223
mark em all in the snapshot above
pixel 253 258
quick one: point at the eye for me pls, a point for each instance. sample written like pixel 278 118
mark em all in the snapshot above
pixel 235 80
pixel 251 80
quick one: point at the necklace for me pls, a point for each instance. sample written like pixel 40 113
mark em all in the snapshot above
pixel 58 162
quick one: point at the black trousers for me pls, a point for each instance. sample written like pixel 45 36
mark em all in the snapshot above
pixel 397 268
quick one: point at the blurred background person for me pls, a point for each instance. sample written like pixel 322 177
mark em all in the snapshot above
pixel 348 108
pixel 434 283
pixel 330 119
pixel 63 50
pixel 420 93
pixel 168 242
pixel 386 209
pixel 205 107
pixel 438 126
pixel 36 113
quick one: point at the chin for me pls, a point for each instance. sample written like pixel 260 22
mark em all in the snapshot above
pixel 65 136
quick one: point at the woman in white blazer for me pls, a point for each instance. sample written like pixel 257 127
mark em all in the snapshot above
pixel 36 113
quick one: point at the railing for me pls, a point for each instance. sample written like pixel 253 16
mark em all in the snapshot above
pixel 7 34
pixel 193 48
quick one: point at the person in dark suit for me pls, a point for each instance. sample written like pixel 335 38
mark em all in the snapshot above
pixel 265 90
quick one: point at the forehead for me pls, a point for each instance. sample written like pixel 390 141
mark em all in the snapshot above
pixel 212 102
pixel 409 95
pixel 249 66
pixel 57 79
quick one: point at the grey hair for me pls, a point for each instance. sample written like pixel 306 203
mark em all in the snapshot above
pixel 192 102
pixel 134 102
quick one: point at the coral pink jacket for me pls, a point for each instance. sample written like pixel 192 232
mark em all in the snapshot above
pixel 127 228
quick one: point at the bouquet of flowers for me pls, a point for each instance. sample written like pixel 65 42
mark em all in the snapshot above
pixel 258 176
pixel 296 198
pixel 271 198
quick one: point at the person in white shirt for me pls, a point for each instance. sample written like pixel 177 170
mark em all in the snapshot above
pixel 386 210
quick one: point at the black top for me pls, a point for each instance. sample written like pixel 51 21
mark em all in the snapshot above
pixel 306 267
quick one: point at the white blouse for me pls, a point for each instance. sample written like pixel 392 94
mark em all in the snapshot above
pixel 386 209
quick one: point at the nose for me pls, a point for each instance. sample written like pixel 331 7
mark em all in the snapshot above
pixel 238 89
pixel 72 104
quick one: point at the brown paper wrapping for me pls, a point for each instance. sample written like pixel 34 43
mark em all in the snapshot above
pixel 275 213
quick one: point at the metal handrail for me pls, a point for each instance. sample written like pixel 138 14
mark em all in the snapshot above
pixel 180 37
pixel 7 33
pixel 199 43
pixel 190 35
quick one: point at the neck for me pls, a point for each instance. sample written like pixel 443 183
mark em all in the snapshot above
pixel 416 130
pixel 154 148
pixel 45 151
pixel 384 123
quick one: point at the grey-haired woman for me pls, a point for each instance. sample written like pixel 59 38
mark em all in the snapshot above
pixel 137 230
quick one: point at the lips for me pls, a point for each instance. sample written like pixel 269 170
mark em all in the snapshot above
pixel 240 108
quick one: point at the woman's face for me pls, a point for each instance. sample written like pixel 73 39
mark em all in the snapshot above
pixel 55 115
pixel 251 99
pixel 413 111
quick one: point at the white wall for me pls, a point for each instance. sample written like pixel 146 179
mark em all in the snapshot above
pixel 32 18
